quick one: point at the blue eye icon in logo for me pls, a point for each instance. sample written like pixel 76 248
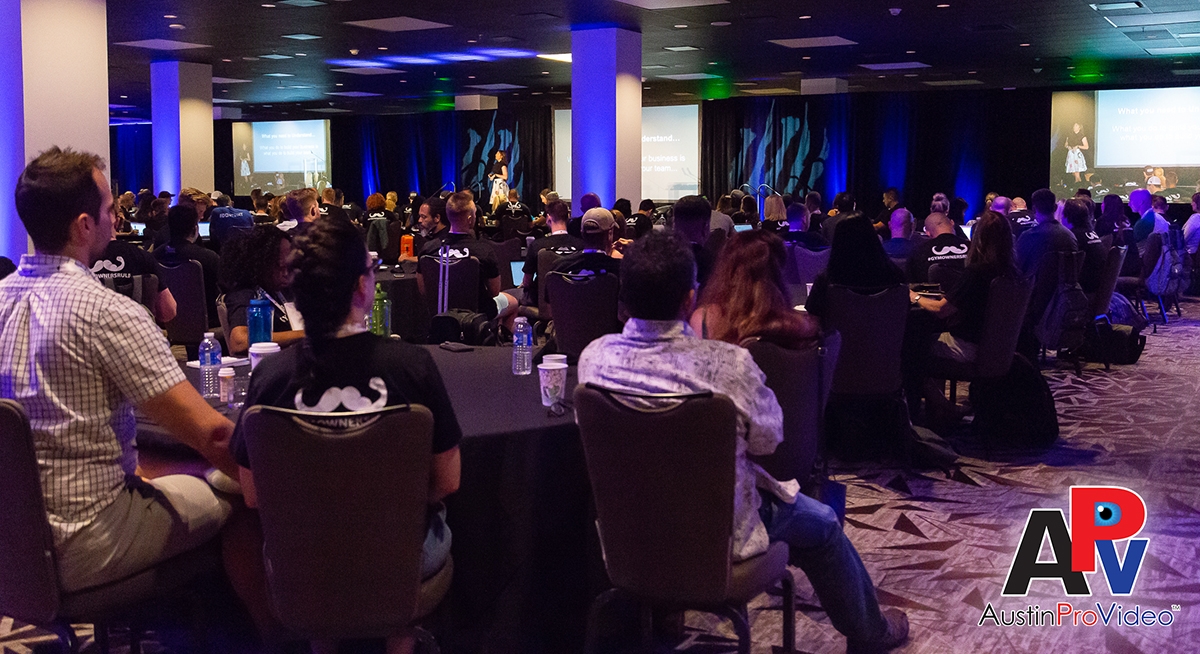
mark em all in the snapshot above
pixel 1107 514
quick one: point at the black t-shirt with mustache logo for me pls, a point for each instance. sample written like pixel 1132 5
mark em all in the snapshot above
pixel 946 249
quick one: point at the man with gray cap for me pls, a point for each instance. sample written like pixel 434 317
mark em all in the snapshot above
pixel 598 230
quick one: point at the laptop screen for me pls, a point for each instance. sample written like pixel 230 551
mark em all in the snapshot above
pixel 742 228
pixel 517 273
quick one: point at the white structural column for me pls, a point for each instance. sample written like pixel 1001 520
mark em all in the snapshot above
pixel 181 114
pixel 53 91
pixel 606 114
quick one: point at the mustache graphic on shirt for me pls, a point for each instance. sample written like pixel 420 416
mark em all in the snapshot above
pixel 106 265
pixel 949 249
pixel 348 397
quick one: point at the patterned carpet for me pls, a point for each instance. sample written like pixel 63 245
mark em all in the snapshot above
pixel 940 547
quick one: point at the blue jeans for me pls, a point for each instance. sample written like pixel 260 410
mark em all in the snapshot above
pixel 819 547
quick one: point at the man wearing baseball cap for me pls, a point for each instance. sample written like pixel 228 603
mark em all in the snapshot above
pixel 598 229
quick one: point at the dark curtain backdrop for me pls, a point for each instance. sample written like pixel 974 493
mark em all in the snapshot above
pixel 131 157
pixel 958 142
pixel 426 152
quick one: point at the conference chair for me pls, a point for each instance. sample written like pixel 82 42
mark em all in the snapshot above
pixel 462 283
pixel 1102 298
pixel 142 289
pixel 867 416
pixel 29 588
pixel 390 254
pixel 186 281
pixel 585 309
pixel 515 227
pixel 801 381
pixel 1054 269
pixel 666 539
pixel 945 275
pixel 546 262
pixel 1008 299
pixel 343 559
pixel 808 263
pixel 507 252
pixel 1134 287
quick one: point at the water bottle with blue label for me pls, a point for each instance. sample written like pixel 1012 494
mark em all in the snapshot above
pixel 522 347
pixel 210 366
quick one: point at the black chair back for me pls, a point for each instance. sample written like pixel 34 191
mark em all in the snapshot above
pixel 946 275
pixel 801 381
pixel 664 536
pixel 28 578
pixel 391 252
pixel 1108 280
pixel 546 261
pixel 872 329
pixel 343 558
pixel 186 281
pixel 1008 299
pixel 142 289
pixel 1053 269
pixel 508 252
pixel 808 263
pixel 585 309
pixel 462 283
pixel 515 226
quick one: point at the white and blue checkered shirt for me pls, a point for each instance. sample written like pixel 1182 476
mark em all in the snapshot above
pixel 77 357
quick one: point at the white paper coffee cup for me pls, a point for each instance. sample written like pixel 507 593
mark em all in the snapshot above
pixel 260 350
pixel 553 381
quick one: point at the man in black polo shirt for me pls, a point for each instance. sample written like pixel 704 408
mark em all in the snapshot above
pixel 184 228
pixel 637 225
pixel 329 207
pixel 944 247
pixel 461 243
pixel 121 262
pixel 599 232
pixel 562 243
pixel 431 219
pixel 1048 236
pixel 1019 217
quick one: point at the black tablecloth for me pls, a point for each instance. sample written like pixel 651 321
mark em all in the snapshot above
pixel 526 556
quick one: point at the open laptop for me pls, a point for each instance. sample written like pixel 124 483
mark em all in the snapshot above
pixel 742 228
pixel 517 273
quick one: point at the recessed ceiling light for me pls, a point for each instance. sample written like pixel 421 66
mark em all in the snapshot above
pixel 882 76
pixel 1189 35
pixel 170 16
pixel 681 26
pixel 910 74
pixel 1114 6
pixel 806 58
pixel 564 57
pixel 1024 45
pixel 301 37
pixel 175 26
pixel 228 61
pixel 545 72
pixel 712 63
pixel 269 5
pixel 813 42
pixel 338 84
pixel 124 97
pixel 470 77
pixel 910 52
pixel 382 47
pixel 899 65
pixel 972 72
pixel 681 48
pixel 274 56
pixel 278 75
pixel 472 41
pixel 805 17
pixel 942 6
pixel 720 23
pixel 301 54
pixel 1070 68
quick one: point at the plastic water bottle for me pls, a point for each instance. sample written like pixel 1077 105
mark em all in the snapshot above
pixel 522 347
pixel 210 366
pixel 381 313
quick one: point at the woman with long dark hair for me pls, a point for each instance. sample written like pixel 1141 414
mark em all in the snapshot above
pixel 256 265
pixel 856 259
pixel 342 368
pixel 746 297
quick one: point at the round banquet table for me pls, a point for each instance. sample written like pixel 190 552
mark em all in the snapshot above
pixel 409 317
pixel 527 559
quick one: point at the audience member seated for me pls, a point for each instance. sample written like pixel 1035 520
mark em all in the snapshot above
pixel 1047 236
pixel 353 211
pixel 588 201
pixel 812 202
pixel 461 244
pixel 514 208
pixel 1077 217
pixel 262 209
pixel 1113 218
pixel 329 206
pixel 857 260
pixel 691 215
pixel 225 216
pixel 1019 217
pixel 720 221
pixel 155 219
pixel 181 222
pixel 774 215
pixel 891 202
pixel 432 222
pixel 1000 205
pixel 637 225
pixel 78 366
pixel 844 207
pixel 1191 228
pixel 747 298
pixel 798 228
pixel 725 205
pixel 1151 221
pixel 340 366
pixel 944 246
pixel 298 207
pixel 658 353
pixel 378 220
pixel 900 226
pixel 253 266
pixel 599 230
pixel 126 212
pixel 747 213
pixel 562 243
pixel 121 261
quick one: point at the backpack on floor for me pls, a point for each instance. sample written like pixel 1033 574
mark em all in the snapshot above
pixel 1065 322
pixel 1120 344
pixel 1173 272
pixel 1017 409
pixel 461 326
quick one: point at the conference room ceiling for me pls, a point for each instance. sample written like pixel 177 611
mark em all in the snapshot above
pixel 266 62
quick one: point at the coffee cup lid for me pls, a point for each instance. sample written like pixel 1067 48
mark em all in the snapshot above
pixel 226 372
pixel 552 365
pixel 265 346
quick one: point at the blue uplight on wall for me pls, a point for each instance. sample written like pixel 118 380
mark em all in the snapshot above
pixel 356 63
pixel 837 163
pixel 506 53
pixel 455 57
pixel 412 61
pixel 894 140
